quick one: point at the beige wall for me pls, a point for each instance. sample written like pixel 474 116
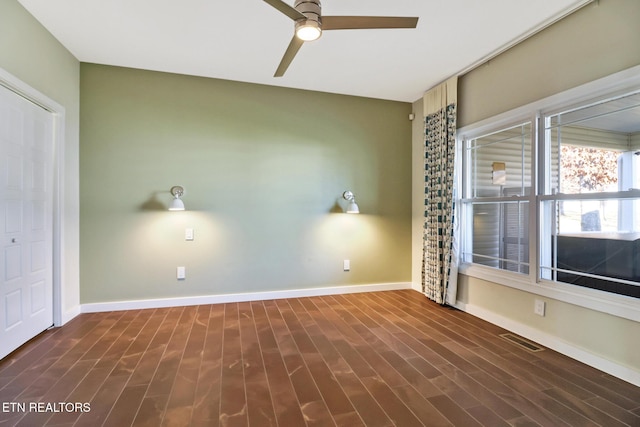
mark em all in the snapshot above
pixel 595 41
pixel 604 336
pixel 417 193
pixel 598 40
pixel 33 55
pixel 263 168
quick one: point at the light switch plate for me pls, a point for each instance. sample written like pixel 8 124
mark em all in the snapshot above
pixel 539 307
pixel 181 273
pixel 188 234
pixel 346 265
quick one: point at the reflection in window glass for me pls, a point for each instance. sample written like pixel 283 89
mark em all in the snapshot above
pixel 500 160
pixel 498 166
pixel 588 169
pixel 590 231
pixel 598 259
pixel 501 236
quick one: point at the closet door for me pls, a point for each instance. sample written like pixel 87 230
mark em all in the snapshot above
pixel 26 213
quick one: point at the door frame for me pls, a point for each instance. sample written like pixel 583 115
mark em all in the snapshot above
pixel 16 85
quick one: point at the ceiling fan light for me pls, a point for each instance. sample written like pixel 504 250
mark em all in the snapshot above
pixel 309 31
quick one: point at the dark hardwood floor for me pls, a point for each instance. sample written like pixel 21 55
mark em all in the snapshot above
pixel 375 359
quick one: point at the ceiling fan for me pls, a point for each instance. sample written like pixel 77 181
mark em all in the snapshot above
pixel 309 24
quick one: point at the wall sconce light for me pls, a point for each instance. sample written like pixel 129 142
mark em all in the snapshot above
pixel 177 204
pixel 352 206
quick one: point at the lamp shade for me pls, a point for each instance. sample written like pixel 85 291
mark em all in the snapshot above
pixel 176 205
pixel 352 207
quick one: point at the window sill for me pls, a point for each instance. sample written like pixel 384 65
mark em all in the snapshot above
pixel 605 302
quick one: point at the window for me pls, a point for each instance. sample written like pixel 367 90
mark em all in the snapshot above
pixel 551 193
pixel 496 202
pixel 589 207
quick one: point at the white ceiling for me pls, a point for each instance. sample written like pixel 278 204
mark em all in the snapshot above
pixel 244 40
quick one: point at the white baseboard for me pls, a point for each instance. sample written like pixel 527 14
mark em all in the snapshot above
pixel 624 373
pixel 70 314
pixel 243 297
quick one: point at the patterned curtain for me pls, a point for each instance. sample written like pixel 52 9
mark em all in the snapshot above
pixel 439 261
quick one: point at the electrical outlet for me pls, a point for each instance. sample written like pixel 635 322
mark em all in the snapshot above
pixel 538 307
pixel 181 273
pixel 346 265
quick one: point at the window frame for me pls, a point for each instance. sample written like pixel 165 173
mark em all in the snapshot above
pixel 605 88
pixel 467 200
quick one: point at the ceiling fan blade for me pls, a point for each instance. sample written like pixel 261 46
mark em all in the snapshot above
pixel 292 50
pixel 286 9
pixel 367 22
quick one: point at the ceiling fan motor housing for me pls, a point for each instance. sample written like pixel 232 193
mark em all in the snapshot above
pixel 309 8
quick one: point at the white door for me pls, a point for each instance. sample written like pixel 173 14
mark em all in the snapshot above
pixel 26 214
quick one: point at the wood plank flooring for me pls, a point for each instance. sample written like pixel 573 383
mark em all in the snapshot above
pixel 374 359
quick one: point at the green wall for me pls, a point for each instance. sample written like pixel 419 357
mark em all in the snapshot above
pixel 264 169
pixel 34 56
